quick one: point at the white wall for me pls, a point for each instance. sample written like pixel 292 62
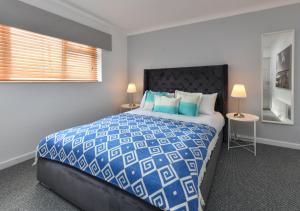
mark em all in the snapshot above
pixel 30 111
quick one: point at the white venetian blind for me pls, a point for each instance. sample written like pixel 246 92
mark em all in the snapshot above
pixel 28 56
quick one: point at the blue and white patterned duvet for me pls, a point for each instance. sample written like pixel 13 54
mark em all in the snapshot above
pixel 158 160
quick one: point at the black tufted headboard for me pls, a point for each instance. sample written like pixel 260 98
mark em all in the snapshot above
pixel 205 79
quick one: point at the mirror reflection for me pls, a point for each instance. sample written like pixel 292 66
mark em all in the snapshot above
pixel 277 77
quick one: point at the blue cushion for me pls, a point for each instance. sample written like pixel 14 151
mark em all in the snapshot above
pixel 166 104
pixel 165 109
pixel 189 109
pixel 149 100
pixel 150 95
pixel 189 103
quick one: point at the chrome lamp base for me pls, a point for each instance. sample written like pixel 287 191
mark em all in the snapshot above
pixel 131 101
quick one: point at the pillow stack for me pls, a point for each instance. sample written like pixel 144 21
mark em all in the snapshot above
pixel 184 103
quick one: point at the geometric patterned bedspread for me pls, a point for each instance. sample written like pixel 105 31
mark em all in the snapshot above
pixel 155 159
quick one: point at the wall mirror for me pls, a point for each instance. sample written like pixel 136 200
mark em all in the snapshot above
pixel 278 77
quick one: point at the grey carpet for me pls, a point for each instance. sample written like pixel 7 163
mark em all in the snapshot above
pixel 269 181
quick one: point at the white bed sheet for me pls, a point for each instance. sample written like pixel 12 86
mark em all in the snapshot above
pixel 215 120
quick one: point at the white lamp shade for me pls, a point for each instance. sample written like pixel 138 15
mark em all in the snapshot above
pixel 131 88
pixel 239 91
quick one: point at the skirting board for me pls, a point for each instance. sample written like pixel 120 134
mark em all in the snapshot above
pixel 274 142
pixel 16 160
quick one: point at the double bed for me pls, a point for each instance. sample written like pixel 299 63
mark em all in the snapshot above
pixel 140 138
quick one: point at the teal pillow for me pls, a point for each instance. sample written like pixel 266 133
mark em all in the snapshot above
pixel 165 104
pixel 149 100
pixel 188 105
pixel 165 109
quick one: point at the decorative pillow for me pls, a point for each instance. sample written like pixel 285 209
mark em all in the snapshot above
pixel 188 105
pixel 166 104
pixel 207 105
pixel 148 99
pixel 190 102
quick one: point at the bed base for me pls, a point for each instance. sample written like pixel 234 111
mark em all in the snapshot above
pixel 92 194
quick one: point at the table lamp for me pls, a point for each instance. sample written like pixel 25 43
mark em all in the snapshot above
pixel 239 92
pixel 131 89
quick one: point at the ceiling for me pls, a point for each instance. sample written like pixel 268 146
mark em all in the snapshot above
pixel 138 16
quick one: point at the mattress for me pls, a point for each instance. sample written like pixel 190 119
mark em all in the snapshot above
pixel 51 147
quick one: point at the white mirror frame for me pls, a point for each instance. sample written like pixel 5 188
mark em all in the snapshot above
pixel 292 74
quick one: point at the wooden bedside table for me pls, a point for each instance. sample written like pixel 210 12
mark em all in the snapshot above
pixel 250 118
pixel 130 107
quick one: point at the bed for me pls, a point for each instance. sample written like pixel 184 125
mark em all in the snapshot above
pixel 88 192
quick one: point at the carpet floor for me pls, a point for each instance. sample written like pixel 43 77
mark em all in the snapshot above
pixel 269 181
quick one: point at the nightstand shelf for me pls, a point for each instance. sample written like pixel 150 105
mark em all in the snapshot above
pixel 240 141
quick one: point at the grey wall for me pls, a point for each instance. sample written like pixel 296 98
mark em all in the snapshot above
pixel 18 14
pixel 30 111
pixel 235 41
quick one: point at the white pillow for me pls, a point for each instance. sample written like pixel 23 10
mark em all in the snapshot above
pixel 143 100
pixel 207 105
pixel 181 94
pixel 166 104
pixel 207 102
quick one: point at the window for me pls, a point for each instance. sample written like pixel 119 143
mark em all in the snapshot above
pixel 28 56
